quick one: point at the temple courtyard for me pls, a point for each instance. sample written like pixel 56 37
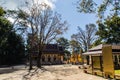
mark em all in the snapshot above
pixel 52 72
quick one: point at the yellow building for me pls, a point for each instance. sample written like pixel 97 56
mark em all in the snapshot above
pixel 75 58
pixel 52 54
pixel 104 60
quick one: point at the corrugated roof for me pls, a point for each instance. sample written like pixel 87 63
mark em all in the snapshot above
pixel 101 45
pixel 98 49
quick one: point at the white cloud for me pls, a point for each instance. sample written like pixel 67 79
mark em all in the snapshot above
pixel 13 4
pixel 10 4
pixel 49 2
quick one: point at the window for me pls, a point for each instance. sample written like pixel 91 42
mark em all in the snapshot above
pixel 119 58
pixel 54 58
pixel 49 58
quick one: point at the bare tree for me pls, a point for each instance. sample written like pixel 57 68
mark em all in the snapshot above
pixel 85 37
pixel 43 25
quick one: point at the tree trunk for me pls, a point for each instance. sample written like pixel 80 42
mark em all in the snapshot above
pixel 39 59
pixel 87 57
pixel 30 61
pixel 82 58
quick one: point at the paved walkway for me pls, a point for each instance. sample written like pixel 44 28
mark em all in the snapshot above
pixel 55 72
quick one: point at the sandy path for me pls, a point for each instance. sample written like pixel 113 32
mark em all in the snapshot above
pixel 56 72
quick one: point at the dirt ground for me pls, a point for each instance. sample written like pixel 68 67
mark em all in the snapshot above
pixel 54 72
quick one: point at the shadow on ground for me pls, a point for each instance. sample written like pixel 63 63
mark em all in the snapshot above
pixel 10 69
pixel 4 71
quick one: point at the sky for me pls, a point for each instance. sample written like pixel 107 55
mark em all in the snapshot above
pixel 68 11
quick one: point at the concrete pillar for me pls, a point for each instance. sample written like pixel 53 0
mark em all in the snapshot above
pixel 52 57
pixel 90 61
pixel 61 58
pixel 46 58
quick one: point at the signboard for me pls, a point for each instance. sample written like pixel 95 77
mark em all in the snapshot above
pixel 108 66
pixel 96 62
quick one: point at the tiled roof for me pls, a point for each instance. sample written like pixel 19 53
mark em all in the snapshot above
pixel 51 48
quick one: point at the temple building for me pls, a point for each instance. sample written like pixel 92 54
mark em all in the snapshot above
pixel 52 54
pixel 75 58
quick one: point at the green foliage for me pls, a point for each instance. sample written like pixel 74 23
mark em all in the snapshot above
pixel 90 6
pixel 11 44
pixel 97 42
pixel 23 15
pixel 109 30
pixel 86 6
pixel 2 12
pixel 5 27
pixel 63 42
pixel 66 55
pixel 75 46
pixel 15 47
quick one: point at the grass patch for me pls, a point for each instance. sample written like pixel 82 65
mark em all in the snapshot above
pixel 117 71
